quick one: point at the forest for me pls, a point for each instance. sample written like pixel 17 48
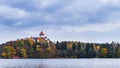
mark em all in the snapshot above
pixel 28 48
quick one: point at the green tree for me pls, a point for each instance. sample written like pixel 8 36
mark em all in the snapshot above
pixel 81 54
pixel 110 53
pixel 21 43
pixel 90 53
pixel 74 47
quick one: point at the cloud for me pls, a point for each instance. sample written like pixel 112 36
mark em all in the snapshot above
pixel 84 11
pixel 94 27
pixel 12 13
pixel 21 18
pixel 45 3
pixel 58 12
pixel 18 24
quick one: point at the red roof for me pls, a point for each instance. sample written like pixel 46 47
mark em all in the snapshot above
pixel 41 33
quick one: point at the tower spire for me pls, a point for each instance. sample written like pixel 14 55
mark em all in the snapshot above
pixel 41 33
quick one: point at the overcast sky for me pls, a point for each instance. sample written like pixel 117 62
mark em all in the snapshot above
pixel 74 20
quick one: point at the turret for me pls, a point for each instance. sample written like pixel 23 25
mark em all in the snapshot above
pixel 41 34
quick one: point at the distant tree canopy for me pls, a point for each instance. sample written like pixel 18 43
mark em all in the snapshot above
pixel 28 48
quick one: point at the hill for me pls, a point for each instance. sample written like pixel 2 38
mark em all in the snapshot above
pixel 42 47
pixel 34 47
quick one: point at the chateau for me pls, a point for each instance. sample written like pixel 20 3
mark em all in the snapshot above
pixel 41 38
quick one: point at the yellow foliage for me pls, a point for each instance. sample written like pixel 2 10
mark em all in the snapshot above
pixel 23 52
pixel 69 45
pixel 119 50
pixel 98 47
pixel 48 49
pixel 30 41
pixel 103 52
pixel 118 53
pixel 38 48
pixel 8 51
pixel 3 54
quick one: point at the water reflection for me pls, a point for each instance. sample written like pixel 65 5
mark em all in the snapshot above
pixel 27 66
pixel 60 63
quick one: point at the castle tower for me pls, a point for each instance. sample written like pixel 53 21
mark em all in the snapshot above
pixel 41 34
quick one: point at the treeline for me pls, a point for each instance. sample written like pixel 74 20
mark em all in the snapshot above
pixel 87 50
pixel 28 48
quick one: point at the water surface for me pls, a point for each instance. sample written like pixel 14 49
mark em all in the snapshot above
pixel 59 63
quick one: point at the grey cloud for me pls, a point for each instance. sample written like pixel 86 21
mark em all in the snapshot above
pixel 59 12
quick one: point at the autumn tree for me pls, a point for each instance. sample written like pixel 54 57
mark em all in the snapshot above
pixel 39 52
pixel 8 51
pixel 97 50
pixel 21 43
pixel 118 52
pixel 23 53
pixel 30 41
pixel 103 53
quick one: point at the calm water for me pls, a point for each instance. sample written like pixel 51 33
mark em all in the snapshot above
pixel 59 63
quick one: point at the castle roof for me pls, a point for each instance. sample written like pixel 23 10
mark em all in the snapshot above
pixel 41 33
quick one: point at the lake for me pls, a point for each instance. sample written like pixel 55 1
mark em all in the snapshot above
pixel 59 63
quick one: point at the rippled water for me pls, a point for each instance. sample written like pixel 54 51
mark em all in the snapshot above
pixel 59 63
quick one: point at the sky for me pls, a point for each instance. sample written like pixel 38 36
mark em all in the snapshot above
pixel 61 20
